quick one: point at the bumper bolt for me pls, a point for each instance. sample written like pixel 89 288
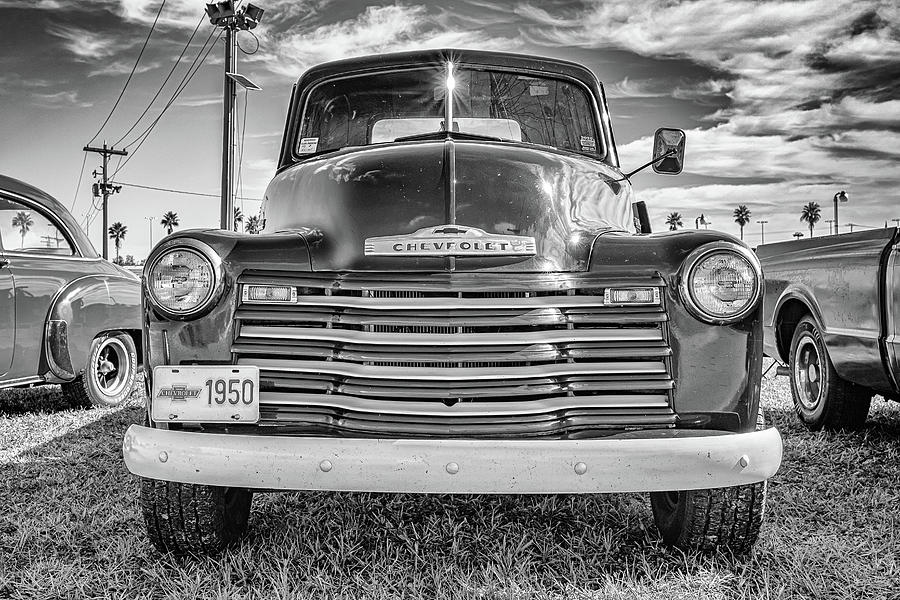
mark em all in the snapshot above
pixel 325 466
pixel 745 461
pixel 580 468
pixel 452 468
pixel 163 456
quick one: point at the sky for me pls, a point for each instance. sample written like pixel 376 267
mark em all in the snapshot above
pixel 783 102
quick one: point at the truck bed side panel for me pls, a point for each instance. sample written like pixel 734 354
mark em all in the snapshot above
pixel 840 279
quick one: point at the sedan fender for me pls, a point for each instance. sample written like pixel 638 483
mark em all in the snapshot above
pixel 81 310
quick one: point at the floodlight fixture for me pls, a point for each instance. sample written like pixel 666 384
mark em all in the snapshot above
pixel 220 11
pixel 252 15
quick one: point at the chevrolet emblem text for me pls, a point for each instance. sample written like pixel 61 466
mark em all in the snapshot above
pixel 179 392
pixel 450 240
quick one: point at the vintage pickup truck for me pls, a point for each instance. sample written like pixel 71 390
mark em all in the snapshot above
pixel 832 315
pixel 450 296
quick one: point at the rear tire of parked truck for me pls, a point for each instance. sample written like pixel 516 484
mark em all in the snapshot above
pixel 184 518
pixel 712 519
pixel 823 400
pixel 109 375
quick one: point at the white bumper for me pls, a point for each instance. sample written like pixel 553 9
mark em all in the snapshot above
pixel 674 461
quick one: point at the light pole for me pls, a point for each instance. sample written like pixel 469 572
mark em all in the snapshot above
pixel 896 221
pixel 762 226
pixel 224 15
pixel 830 221
pixel 701 220
pixel 842 197
pixel 150 219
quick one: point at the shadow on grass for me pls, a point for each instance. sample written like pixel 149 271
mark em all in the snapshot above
pixel 43 398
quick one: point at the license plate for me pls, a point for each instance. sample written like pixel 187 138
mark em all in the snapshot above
pixel 205 394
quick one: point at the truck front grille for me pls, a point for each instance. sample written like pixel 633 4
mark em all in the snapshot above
pixel 477 354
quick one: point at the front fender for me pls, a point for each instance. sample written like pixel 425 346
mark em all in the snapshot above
pixel 80 311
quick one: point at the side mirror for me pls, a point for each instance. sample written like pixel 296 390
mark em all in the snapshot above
pixel 669 143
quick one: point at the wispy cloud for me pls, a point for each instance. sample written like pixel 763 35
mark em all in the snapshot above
pixel 376 30
pixel 86 44
pixel 62 99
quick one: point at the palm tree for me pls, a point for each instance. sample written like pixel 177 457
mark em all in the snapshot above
pixel 742 217
pixel 117 233
pixel 23 221
pixel 811 214
pixel 797 235
pixel 252 225
pixel 169 221
pixel 238 218
pixel 674 221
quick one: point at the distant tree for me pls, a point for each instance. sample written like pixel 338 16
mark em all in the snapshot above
pixel 169 221
pixel 742 217
pixel 798 235
pixel 129 260
pixel 23 221
pixel 811 214
pixel 117 233
pixel 252 225
pixel 674 221
pixel 238 218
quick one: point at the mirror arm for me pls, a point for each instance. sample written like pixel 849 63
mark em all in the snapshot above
pixel 654 161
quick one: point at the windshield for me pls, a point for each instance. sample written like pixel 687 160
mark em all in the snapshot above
pixel 382 107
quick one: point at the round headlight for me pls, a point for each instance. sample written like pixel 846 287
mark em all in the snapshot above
pixel 721 282
pixel 182 281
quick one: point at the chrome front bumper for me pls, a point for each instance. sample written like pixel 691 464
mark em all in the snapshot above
pixel 639 462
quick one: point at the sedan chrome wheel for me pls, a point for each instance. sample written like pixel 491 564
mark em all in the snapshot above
pixel 109 370
pixel 808 373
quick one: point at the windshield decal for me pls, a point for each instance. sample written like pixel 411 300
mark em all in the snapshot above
pixel 308 145
pixel 450 240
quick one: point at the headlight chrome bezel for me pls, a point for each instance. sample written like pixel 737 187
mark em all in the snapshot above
pixel 686 281
pixel 204 251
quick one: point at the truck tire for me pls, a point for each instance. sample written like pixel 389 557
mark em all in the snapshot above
pixel 712 519
pixel 823 400
pixel 109 375
pixel 184 518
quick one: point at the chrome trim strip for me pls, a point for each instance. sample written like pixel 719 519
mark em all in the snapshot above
pixel 21 381
pixel 349 336
pixel 496 408
pixel 452 374
pixel 450 303
pixel 645 461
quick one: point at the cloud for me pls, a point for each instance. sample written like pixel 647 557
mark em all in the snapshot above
pixel 638 88
pixel 86 44
pixel 122 67
pixel 63 99
pixel 378 29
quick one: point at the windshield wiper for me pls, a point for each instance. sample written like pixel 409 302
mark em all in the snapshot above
pixel 456 135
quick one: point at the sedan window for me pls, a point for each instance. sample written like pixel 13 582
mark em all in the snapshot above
pixel 24 229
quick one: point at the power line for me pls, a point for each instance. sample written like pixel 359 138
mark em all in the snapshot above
pixel 174 191
pixel 188 76
pixel 163 85
pixel 130 75
pixel 78 185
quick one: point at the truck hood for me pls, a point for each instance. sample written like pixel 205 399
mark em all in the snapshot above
pixel 445 196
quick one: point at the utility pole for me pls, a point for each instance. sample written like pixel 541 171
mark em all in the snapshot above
pixel 105 188
pixel 830 221
pixel 896 222
pixel 224 15
pixel 851 227
pixel 762 226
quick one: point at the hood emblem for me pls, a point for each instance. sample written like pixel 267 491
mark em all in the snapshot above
pixel 450 240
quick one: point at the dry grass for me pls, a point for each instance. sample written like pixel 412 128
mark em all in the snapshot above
pixel 70 528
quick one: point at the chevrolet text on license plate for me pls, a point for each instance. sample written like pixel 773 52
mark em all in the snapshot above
pixel 205 394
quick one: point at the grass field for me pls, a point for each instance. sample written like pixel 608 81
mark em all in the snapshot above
pixel 70 528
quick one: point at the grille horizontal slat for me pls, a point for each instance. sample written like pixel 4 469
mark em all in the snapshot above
pixel 453 339
pixel 456 354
